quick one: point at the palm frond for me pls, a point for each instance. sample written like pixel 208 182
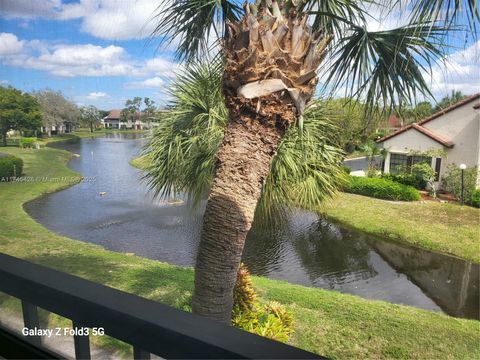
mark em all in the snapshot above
pixel 191 23
pixel 335 16
pixel 449 13
pixel 181 152
pixel 385 67
pixel 182 149
pixel 306 169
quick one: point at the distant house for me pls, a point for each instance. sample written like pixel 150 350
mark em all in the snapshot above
pixel 455 129
pixel 65 127
pixel 112 121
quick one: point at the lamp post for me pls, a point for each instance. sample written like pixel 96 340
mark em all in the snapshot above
pixel 462 167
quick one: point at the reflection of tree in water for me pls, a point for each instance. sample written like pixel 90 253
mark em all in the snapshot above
pixel 451 282
pixel 324 251
pixel 333 255
pixel 269 241
pixel 263 248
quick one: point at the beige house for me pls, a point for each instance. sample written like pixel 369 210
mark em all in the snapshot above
pixel 112 121
pixel 455 129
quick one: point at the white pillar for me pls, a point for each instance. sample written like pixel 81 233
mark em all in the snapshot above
pixel 386 167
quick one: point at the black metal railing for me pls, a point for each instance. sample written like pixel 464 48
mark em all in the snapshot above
pixel 148 326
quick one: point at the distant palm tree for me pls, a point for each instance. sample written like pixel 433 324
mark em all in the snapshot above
pixel 271 52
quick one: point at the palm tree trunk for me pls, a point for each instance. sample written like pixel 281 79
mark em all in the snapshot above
pixel 269 76
pixel 243 162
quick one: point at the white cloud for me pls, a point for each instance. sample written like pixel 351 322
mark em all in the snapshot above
pixel 461 71
pixel 29 9
pixel 381 17
pixel 97 95
pixel 120 20
pixel 154 82
pixel 82 60
pixel 104 19
pixel 4 82
pixel 160 66
pixel 10 45
pixel 74 60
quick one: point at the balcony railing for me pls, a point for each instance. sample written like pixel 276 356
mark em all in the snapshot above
pixel 150 327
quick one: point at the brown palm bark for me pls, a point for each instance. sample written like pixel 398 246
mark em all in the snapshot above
pixel 269 76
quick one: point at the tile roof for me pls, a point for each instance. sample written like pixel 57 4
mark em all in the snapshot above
pixel 450 108
pixel 431 134
pixel 114 114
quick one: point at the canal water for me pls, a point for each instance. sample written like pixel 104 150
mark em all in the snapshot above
pixel 304 250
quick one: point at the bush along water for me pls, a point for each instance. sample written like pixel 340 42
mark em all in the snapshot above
pixel 381 188
pixel 271 320
pixel 10 166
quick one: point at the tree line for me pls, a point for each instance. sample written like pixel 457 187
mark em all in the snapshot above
pixel 30 112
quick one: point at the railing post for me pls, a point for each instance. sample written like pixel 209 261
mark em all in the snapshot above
pixel 31 321
pixel 82 343
pixel 139 354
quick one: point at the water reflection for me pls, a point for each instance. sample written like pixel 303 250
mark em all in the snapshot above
pixel 304 249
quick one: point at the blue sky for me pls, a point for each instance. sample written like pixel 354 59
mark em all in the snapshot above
pixel 97 51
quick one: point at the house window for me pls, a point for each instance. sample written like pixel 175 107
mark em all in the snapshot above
pixel 400 163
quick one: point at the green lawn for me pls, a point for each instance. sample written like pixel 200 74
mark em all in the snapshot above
pixel 326 322
pixel 444 227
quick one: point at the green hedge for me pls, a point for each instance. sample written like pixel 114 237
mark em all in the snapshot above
pixel 10 166
pixel 381 188
pixel 28 142
pixel 475 198
pixel 407 179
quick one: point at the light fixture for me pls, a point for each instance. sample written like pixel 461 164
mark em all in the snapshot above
pixel 462 167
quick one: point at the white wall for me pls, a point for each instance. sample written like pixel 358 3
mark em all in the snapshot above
pixel 462 126
pixel 410 140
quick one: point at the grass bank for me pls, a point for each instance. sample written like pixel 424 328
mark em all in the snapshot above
pixel 326 322
pixel 444 227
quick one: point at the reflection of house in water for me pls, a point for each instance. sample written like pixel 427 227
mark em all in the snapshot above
pixel 452 283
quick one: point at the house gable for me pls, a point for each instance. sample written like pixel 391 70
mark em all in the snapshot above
pixel 411 139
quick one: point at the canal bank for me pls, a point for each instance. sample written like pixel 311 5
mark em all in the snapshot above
pixel 326 322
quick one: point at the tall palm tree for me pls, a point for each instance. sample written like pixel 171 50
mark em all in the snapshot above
pixel 271 53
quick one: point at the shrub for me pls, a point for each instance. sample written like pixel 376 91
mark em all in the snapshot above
pixel 452 181
pixel 27 142
pixel 345 169
pixel 475 198
pixel 425 172
pixel 272 320
pixel 372 171
pixel 407 179
pixel 244 296
pixel 381 188
pixel 10 166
